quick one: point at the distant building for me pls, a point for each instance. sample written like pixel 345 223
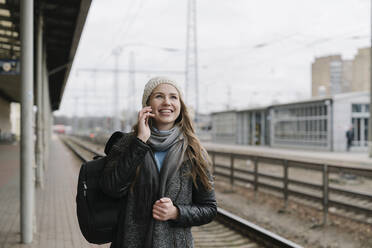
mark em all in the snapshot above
pixel 5 125
pixel 8 128
pixel 252 127
pixel 203 127
pixel 361 68
pixel 347 75
pixel 224 126
pixel 204 122
pixel 319 123
pixel 331 75
pixel 15 119
pixel 351 109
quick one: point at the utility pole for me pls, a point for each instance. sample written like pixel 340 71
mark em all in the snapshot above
pixel 191 75
pixel 229 101
pixel 116 115
pixel 370 96
pixel 76 119
pixel 132 79
pixel 85 106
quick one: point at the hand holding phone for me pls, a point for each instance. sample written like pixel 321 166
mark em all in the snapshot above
pixel 144 131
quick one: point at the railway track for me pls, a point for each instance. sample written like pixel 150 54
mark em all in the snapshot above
pixel 342 202
pixel 227 230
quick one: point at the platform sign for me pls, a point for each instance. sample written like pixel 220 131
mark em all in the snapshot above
pixel 9 67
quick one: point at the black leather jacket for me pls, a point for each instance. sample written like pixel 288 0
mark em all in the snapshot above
pixel 196 205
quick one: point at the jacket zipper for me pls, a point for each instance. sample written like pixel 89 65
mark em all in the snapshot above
pixel 85 188
pixel 174 239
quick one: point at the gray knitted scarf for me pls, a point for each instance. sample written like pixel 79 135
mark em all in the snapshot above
pixel 174 142
pixel 162 141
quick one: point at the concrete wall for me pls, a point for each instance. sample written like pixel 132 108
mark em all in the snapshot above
pixel 342 116
pixel 5 125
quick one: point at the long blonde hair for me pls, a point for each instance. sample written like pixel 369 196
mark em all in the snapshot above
pixel 195 152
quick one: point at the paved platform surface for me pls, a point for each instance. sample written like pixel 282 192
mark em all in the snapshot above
pixel 56 221
pixel 353 159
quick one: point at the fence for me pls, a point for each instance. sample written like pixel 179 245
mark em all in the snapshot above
pixel 322 190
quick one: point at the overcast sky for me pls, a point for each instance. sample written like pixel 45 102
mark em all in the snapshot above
pixel 251 53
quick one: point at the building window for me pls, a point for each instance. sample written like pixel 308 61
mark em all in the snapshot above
pixel 356 108
pixel 366 132
pixel 366 108
pixel 304 125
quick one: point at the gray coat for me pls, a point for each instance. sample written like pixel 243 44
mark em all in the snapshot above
pixel 196 206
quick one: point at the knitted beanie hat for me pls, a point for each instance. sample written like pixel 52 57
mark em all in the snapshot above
pixel 153 83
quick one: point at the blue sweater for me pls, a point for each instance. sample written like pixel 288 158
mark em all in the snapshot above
pixel 159 158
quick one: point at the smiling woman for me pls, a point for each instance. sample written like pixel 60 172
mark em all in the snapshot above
pixel 165 105
pixel 161 172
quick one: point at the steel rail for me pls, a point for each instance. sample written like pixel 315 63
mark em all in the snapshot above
pixel 253 231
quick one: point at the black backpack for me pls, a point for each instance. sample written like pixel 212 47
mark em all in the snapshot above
pixel 96 211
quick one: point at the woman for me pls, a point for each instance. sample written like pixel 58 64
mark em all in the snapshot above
pixel 161 172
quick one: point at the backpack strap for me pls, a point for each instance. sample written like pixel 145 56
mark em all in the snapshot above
pixel 118 142
pixel 115 146
pixel 115 137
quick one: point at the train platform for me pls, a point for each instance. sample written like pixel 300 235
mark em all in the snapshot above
pixel 348 159
pixel 56 222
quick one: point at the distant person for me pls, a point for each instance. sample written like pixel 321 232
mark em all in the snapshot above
pixel 161 171
pixel 349 138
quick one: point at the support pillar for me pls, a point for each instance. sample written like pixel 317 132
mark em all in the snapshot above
pixel 27 100
pixel 46 112
pixel 263 128
pixel 370 95
pixel 39 101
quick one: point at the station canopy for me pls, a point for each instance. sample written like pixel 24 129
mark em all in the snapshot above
pixel 63 24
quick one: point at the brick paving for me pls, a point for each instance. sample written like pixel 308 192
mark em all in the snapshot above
pixel 57 226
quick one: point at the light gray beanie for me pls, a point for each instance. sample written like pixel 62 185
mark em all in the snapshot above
pixel 153 83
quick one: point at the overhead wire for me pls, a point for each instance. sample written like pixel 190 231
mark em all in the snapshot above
pixel 122 29
pixel 119 35
pixel 119 27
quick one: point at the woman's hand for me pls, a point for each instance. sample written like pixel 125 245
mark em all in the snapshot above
pixel 144 131
pixel 164 210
